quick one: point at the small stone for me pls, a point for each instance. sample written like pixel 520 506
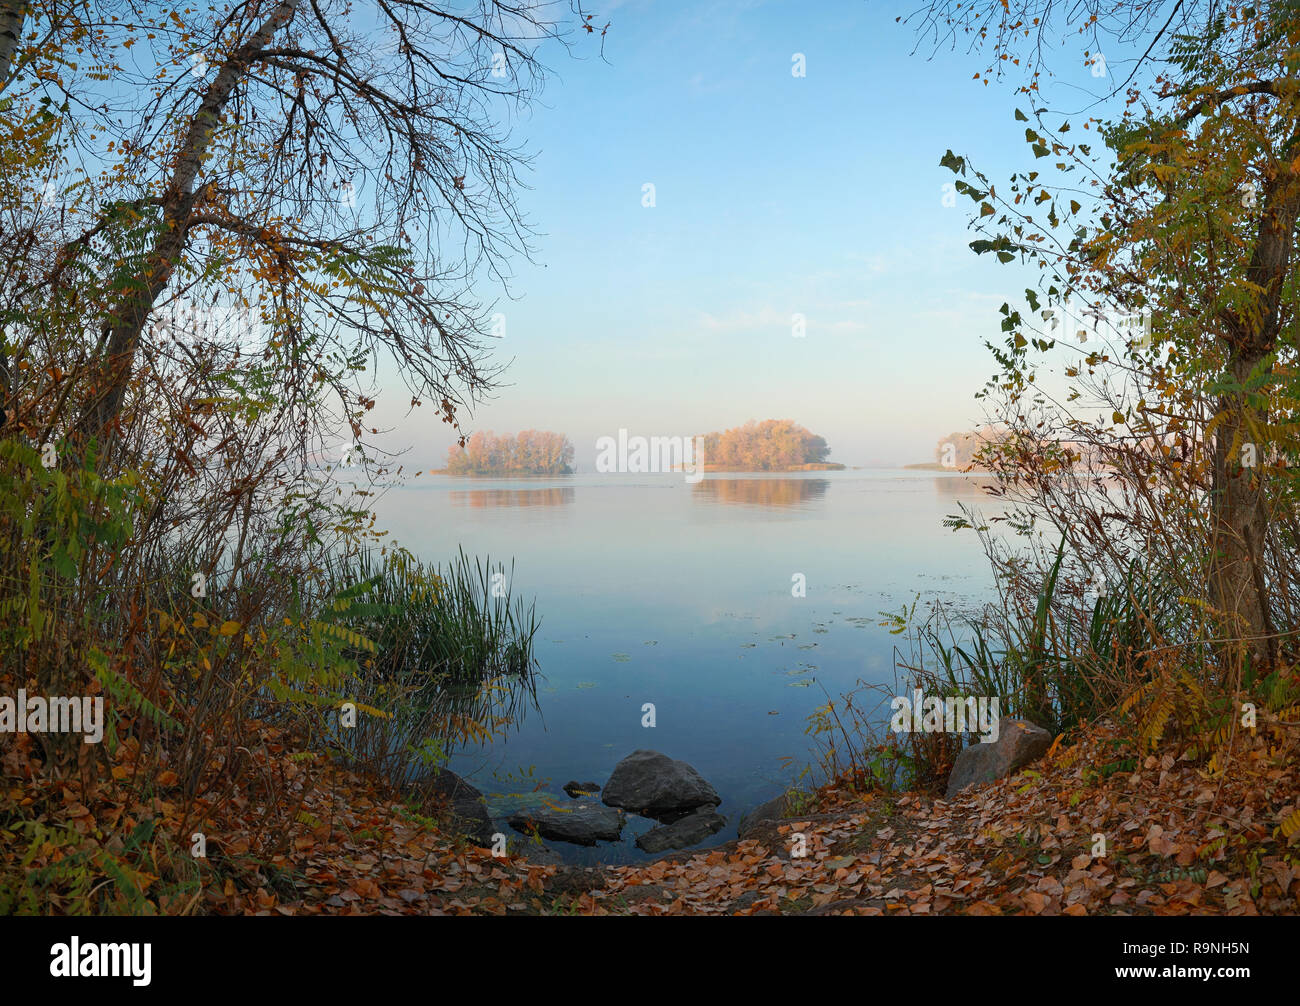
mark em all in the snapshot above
pixel 1019 742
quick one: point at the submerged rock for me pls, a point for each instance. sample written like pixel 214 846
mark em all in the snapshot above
pixel 580 789
pixel 1019 742
pixel 686 831
pixel 579 823
pixel 651 783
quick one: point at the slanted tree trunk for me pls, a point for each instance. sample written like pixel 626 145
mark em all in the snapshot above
pixel 122 330
pixel 12 15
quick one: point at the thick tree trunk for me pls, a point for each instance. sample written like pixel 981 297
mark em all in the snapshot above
pixel 1240 521
pixel 1239 506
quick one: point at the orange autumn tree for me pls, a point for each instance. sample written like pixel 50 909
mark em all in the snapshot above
pixel 772 445
pixel 532 452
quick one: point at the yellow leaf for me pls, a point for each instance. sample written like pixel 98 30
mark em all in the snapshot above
pixel 229 628
pixel 1117 417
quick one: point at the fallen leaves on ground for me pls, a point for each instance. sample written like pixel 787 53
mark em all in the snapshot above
pixel 1178 841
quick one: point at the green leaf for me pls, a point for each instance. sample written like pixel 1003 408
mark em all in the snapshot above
pixel 953 162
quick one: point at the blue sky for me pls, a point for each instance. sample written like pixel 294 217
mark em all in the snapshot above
pixel 774 195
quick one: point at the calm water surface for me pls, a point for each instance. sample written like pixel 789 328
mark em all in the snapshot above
pixel 651 589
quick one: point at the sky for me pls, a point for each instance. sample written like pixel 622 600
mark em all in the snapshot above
pixel 774 195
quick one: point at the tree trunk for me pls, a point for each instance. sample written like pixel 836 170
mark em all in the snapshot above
pixel 1240 521
pixel 1239 508
pixel 123 329
pixel 12 15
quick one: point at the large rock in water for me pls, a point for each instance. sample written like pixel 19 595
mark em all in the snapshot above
pixel 1019 742
pixel 462 803
pixel 580 823
pixel 686 831
pixel 650 783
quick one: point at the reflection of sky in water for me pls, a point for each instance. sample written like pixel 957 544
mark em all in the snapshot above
pixel 651 589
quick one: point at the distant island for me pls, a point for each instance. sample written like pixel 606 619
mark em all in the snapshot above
pixel 957 451
pixel 532 452
pixel 960 452
pixel 774 445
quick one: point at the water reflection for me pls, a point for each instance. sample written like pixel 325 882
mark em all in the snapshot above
pixel 760 492
pixel 478 498
pixel 964 486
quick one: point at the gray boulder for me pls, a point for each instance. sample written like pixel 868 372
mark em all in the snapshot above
pixel 773 810
pixel 1019 742
pixel 580 823
pixel 650 783
pixel 458 804
pixel 684 832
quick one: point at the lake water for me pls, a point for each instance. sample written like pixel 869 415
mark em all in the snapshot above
pixel 652 589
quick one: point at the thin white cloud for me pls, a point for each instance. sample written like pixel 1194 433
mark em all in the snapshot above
pixel 770 318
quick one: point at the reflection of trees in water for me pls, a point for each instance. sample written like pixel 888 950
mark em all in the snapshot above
pixel 761 492
pixel 964 487
pixel 555 496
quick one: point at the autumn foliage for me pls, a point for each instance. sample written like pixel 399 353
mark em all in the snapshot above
pixel 773 445
pixel 532 452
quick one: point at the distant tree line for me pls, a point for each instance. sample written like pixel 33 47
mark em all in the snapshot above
pixel 975 449
pixel 772 445
pixel 958 449
pixel 532 452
